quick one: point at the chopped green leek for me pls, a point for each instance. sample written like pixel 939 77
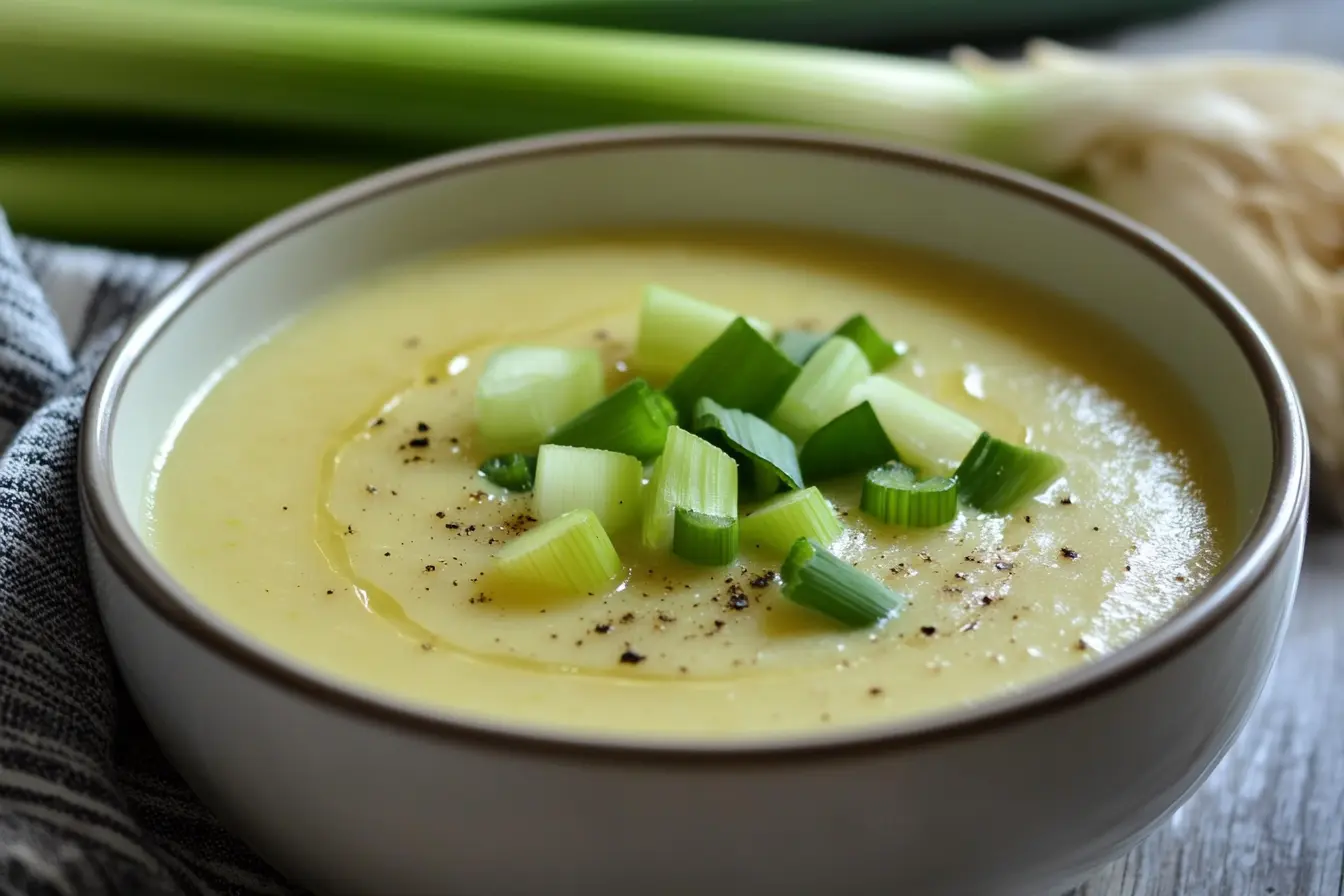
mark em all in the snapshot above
pixel 893 494
pixel 693 475
pixel 798 345
pixel 851 443
pixel 632 420
pixel 703 539
pixel 571 553
pixel 604 482
pixel 881 354
pixel 766 458
pixel 526 391
pixel 996 475
pixel 777 524
pixel 821 391
pixel 674 328
pixel 817 579
pixel 740 369
pixel 926 434
pixel 514 472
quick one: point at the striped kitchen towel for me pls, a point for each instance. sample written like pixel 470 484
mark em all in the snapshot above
pixel 88 805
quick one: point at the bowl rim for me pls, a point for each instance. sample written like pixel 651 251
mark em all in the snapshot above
pixel 1270 537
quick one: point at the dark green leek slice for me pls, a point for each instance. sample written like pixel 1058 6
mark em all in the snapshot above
pixel 514 472
pixel 817 579
pixel 741 369
pixel 893 494
pixel 704 539
pixel 632 420
pixel 766 458
pixel 995 475
pixel 849 444
pixel 881 353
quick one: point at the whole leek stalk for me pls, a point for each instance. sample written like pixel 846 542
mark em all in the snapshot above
pixel 169 201
pixel 1239 161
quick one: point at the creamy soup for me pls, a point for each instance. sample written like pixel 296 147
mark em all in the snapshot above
pixel 323 495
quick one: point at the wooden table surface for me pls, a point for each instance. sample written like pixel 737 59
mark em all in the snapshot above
pixel 1270 820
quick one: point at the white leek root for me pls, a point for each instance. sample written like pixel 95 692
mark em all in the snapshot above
pixel 1240 162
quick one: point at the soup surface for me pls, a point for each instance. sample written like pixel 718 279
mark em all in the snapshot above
pixel 323 495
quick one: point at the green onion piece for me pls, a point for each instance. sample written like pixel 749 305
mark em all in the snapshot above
pixel 604 482
pixel 996 474
pixel 514 472
pixel 798 345
pixel 766 457
pixel 778 523
pixel 894 495
pixel 692 475
pixel 704 539
pixel 926 434
pixel 740 369
pixel 674 328
pixel 851 443
pixel 525 392
pixel 571 553
pixel 881 354
pixel 819 580
pixel 632 420
pixel 821 391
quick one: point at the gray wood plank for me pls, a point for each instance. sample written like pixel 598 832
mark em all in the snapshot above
pixel 1270 820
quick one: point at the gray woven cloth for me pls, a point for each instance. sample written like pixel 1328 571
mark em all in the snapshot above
pixel 88 805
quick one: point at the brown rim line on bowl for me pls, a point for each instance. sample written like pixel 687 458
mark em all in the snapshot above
pixel 1270 536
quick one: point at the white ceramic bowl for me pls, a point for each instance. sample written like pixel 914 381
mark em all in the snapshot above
pixel 351 791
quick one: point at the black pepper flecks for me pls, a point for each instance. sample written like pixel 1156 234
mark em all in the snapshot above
pixel 422 426
pixel 1068 553
pixel 602 628
pixel 429 567
pixel 419 442
pixel 628 618
pixel 928 630
pixel 631 658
